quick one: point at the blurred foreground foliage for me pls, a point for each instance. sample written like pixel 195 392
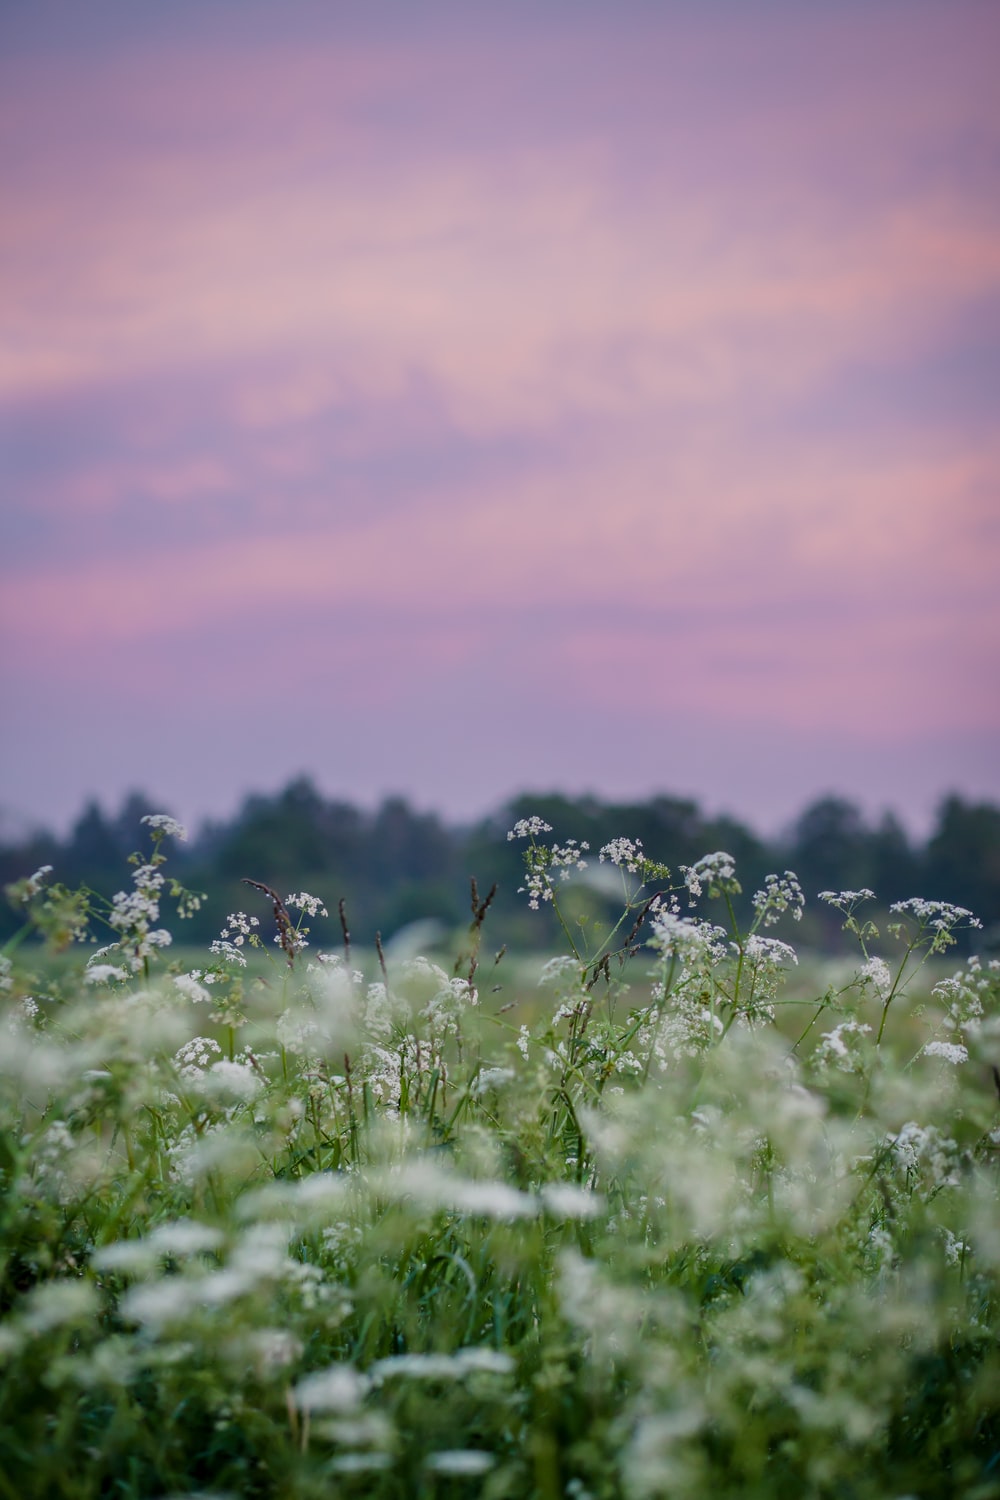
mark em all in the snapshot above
pixel 639 1226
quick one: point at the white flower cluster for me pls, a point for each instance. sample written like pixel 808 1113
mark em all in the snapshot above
pixel 568 856
pixel 562 972
pixel 941 916
pixel 457 1366
pixel 843 1047
pixel 780 894
pixel 562 857
pixel 195 1055
pixel 965 991
pixel 191 988
pixel 33 884
pixel 762 950
pixel 162 824
pixel 104 973
pixel 625 852
pixel 951 1052
pixel 688 1029
pixel 714 873
pixel 133 913
pixel 446 1006
pixel 238 928
pixel 312 906
pixel 686 938
pixel 488 1079
pixel 875 974
pixel 528 828
pixel 929 1159
pixel 845 901
pixel 228 952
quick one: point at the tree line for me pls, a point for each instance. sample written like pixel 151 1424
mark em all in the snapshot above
pixel 395 865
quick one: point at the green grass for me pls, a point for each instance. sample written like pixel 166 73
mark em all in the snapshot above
pixel 652 1228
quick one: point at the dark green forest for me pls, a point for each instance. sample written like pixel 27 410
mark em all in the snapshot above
pixel 395 865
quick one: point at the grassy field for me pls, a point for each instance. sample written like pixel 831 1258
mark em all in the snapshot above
pixel 668 1215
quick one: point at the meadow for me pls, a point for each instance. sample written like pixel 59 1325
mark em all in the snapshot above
pixel 665 1215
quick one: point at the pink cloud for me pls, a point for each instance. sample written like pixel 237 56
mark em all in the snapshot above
pixel 560 399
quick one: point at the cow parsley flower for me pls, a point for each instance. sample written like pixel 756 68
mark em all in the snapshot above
pixel 564 1200
pixel 33 883
pixel 338 1388
pixel 843 1047
pixel 780 894
pixel 875 973
pixel 190 987
pixel 951 1052
pixel 714 873
pixel 686 938
pixel 528 828
pixel 491 1078
pixel 762 950
pixel 238 928
pixel 624 852
pixel 104 973
pixel 228 952
pixel 196 1055
pixel 457 1366
pixel 460 1461
pixel 311 905
pixel 845 901
pixel 162 824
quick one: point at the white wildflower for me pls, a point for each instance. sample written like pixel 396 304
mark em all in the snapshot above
pixel 359 1463
pixel 715 873
pixel 938 914
pixel 843 1048
pixel 769 951
pixel 563 968
pixel 780 894
pixel 951 1052
pixel 191 988
pixel 232 1080
pixel 105 974
pixel 312 906
pixel 228 952
pixel 625 852
pixel 844 900
pixel 564 1200
pixel 161 823
pixel 955 1250
pixel 526 828
pixel 53 1304
pixel 338 1388
pixel 456 1366
pixel 238 928
pixel 431 1187
pixel 929 1159
pixel 33 884
pixel 196 1055
pixel 491 1078
pixel 460 1461
pixel 688 939
pixel 875 972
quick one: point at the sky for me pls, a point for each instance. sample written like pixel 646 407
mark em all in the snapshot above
pixel 454 399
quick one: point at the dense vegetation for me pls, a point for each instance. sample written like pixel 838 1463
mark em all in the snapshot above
pixel 396 865
pixel 640 1222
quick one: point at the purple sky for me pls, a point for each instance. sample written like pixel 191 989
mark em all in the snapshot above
pixel 450 399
